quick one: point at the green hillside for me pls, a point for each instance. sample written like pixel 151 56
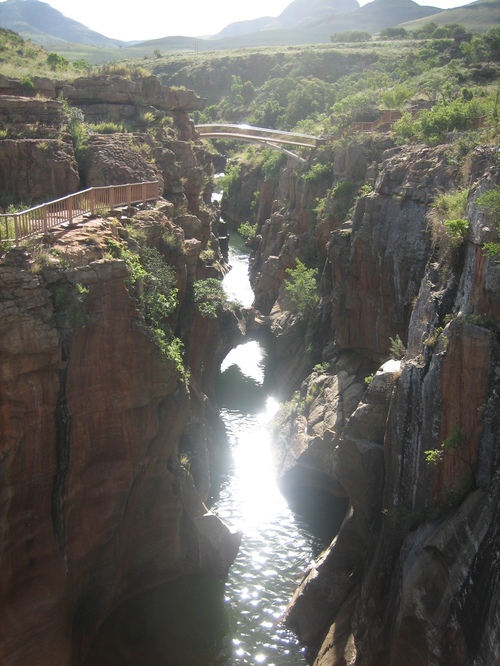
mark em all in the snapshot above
pixel 46 26
pixel 479 16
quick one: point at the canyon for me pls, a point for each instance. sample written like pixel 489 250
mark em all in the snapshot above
pixel 411 577
pixel 107 446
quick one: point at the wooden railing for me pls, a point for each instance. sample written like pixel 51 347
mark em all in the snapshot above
pixel 15 227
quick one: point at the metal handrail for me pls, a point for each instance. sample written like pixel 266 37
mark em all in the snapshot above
pixel 15 227
pixel 212 130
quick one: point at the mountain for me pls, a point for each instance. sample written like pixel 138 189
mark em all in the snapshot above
pixel 298 14
pixel 245 27
pixel 478 16
pixel 380 14
pixel 38 20
pixel 306 21
pixel 314 21
pixel 301 22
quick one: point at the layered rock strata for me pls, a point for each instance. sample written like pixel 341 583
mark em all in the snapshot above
pixel 96 506
pixel 152 140
pixel 411 577
pixel 106 450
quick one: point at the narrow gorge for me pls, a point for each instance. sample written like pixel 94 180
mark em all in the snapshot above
pixel 379 323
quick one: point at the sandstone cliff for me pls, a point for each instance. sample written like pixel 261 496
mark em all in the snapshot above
pixel 96 506
pixel 106 443
pixel 57 144
pixel 411 578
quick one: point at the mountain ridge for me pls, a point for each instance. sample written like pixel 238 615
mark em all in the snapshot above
pixel 301 22
pixel 33 18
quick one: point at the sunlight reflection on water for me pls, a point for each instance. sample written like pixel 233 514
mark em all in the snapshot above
pixel 276 547
pixel 275 550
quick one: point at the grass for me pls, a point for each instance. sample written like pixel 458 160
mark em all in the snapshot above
pixel 449 227
pixel 476 19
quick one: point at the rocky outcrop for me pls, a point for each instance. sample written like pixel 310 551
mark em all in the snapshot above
pixel 20 115
pixel 37 159
pixel 97 503
pixel 24 172
pixel 99 427
pixel 98 93
pixel 156 144
pixel 116 160
pixel 38 86
pixel 403 579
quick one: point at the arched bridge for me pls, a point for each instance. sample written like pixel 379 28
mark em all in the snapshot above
pixel 270 138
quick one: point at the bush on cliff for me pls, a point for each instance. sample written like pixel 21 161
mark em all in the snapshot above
pixel 449 227
pixel 210 297
pixel 433 125
pixel 153 283
pixel 490 203
pixel 302 289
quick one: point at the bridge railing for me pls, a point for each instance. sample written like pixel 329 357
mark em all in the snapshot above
pixel 15 227
pixel 263 133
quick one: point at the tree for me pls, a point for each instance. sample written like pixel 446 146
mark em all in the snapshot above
pixel 302 289
pixel 393 33
pixel 56 61
pixel 351 36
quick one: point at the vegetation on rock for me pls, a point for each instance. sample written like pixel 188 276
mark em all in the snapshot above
pixel 153 284
pixel 302 289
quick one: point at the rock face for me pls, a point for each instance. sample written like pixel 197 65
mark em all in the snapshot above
pixel 37 159
pixel 155 142
pixel 411 576
pixel 96 91
pixel 95 505
pixel 116 160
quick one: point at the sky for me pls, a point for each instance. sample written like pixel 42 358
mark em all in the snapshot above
pixel 151 19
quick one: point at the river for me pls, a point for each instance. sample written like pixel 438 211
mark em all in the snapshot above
pixel 276 547
pixel 199 620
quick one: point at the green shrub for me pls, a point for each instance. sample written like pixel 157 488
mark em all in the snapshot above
pixel 229 180
pixel 457 231
pixel 107 127
pixel 154 285
pixel 27 83
pixel 490 203
pixel 338 201
pixel 273 162
pixel 453 446
pixel 397 350
pixel 210 297
pixel 351 36
pixel 292 408
pixel 449 228
pixel 369 379
pixel 56 61
pixel 317 172
pixel 302 289
pixel 247 230
pixel 393 33
pixel 433 125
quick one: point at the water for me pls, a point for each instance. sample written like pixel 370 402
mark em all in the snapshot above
pixel 199 621
pixel 276 547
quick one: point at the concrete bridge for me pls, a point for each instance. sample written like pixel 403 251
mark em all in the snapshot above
pixel 269 138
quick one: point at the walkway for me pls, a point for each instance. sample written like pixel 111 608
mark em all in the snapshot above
pixel 269 138
pixel 15 227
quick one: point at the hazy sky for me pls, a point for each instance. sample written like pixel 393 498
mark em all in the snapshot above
pixel 149 19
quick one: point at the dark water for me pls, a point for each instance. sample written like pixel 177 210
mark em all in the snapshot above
pixel 276 546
